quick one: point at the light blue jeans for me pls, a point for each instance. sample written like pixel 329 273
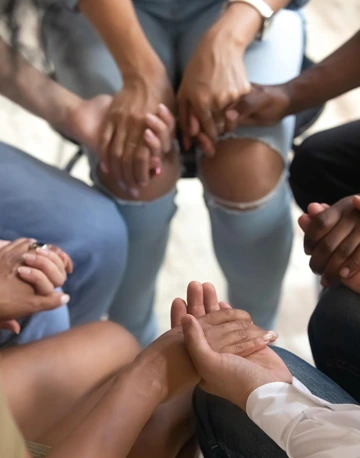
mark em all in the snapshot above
pixel 252 247
pixel 47 204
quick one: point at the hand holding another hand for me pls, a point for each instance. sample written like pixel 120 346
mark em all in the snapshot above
pixel 29 277
pixel 167 362
pixel 332 239
pixel 230 376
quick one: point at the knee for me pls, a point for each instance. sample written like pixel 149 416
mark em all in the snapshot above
pixel 109 338
pixel 158 187
pixel 336 316
pixel 100 238
pixel 243 171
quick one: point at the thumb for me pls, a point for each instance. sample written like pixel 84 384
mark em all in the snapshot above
pixel 356 202
pixel 197 345
pixel 51 301
pixel 11 325
pixel 315 208
pixel 304 222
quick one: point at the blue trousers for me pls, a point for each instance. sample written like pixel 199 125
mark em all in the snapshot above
pixel 42 202
pixel 225 431
pixel 252 247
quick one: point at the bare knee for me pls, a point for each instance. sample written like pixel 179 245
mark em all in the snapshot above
pixel 109 338
pixel 158 187
pixel 242 171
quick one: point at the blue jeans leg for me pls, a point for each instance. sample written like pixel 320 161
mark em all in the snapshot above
pixel 148 226
pixel 253 249
pixel 42 202
pixel 225 431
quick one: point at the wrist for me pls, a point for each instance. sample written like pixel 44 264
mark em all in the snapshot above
pixel 240 22
pixel 148 377
pixel 144 62
pixel 63 121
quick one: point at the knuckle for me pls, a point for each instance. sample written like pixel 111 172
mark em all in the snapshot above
pixel 239 348
pixel 241 324
pixel 344 251
pixel 243 334
pixel 136 118
pixel 322 221
pixel 326 246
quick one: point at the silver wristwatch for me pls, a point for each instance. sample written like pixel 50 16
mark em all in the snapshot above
pixel 265 11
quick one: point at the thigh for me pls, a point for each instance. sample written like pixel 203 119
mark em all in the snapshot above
pixel 224 430
pixel 275 60
pixel 43 202
pixel 334 334
pixel 82 62
pixel 333 158
pixel 45 381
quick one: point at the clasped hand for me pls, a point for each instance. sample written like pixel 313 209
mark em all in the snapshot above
pixel 28 279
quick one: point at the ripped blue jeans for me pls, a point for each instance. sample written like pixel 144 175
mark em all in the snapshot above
pixel 252 246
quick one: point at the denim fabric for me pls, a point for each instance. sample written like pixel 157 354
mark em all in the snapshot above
pixel 255 262
pixel 42 202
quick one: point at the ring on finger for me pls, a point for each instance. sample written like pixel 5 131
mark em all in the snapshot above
pixel 34 245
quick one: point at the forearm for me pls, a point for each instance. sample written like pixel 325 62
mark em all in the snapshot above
pixel 25 85
pixel 117 24
pixel 337 74
pixel 112 427
pixel 242 22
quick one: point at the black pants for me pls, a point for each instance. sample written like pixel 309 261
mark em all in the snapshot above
pixel 326 166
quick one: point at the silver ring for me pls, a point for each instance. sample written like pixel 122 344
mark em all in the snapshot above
pixel 43 246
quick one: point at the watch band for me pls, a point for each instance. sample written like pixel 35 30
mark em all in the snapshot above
pixel 263 8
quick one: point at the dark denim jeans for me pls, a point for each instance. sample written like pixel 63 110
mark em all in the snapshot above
pixel 225 431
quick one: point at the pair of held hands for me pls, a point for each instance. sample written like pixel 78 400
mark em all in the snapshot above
pixel 134 130
pixel 28 279
pixel 332 240
pixel 104 125
pixel 212 344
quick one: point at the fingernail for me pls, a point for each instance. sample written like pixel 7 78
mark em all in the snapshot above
pixel 121 185
pixel 163 108
pixel 158 171
pixel 232 115
pixel 271 336
pixel 24 270
pixel 134 192
pixel 151 117
pixel 29 256
pixel 344 272
pixel 42 251
pixel 103 167
pixel 65 299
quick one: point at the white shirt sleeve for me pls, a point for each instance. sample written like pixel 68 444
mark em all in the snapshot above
pixel 303 425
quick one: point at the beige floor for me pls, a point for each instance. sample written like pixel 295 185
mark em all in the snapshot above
pixel 190 255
